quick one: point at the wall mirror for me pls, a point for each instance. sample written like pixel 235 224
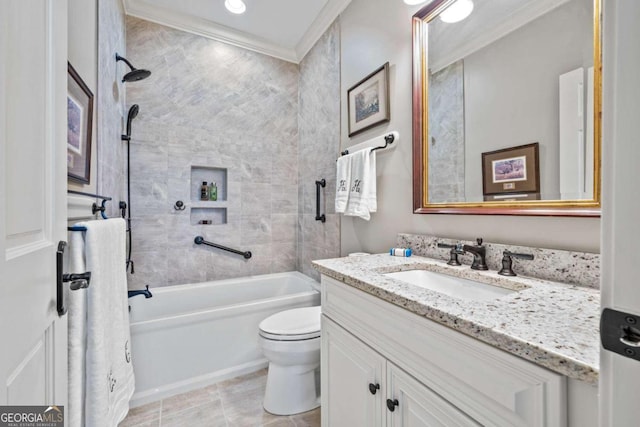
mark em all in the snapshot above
pixel 507 107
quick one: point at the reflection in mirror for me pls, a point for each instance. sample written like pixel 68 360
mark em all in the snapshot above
pixel 511 81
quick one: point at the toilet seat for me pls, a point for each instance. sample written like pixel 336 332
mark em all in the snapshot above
pixel 297 324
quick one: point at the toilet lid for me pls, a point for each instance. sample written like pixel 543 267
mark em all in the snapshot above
pixel 292 325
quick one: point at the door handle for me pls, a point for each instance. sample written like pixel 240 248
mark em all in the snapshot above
pixel 77 280
pixel 391 404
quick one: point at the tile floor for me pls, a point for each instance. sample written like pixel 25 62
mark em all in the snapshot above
pixel 233 403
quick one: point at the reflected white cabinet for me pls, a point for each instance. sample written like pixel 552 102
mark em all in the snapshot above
pixel 437 375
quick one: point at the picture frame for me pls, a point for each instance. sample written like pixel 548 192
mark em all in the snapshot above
pixel 79 127
pixel 513 171
pixel 368 101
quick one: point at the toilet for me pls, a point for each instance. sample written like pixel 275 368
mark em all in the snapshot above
pixel 290 341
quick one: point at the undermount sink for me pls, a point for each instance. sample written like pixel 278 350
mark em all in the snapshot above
pixel 451 286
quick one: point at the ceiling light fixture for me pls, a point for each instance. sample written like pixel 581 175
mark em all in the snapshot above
pixel 235 6
pixel 457 11
pixel 414 2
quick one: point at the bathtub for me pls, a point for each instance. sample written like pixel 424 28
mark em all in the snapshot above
pixel 190 336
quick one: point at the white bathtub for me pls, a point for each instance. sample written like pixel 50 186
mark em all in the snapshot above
pixel 190 336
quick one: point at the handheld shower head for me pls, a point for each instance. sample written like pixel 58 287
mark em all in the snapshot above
pixel 133 112
pixel 135 74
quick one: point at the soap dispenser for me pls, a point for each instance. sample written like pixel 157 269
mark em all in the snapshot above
pixel 213 192
pixel 204 191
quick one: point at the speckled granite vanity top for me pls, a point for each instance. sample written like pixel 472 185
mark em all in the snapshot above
pixel 551 324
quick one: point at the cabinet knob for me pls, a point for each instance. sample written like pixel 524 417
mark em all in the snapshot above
pixel 391 404
pixel 373 388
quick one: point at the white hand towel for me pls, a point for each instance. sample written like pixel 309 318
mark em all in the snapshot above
pixel 109 372
pixel 370 185
pixel 343 179
pixel 361 182
pixel 77 343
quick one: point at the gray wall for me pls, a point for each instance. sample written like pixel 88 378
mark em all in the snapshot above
pixel 109 101
pixel 517 76
pixel 319 121
pixel 211 104
pixel 376 31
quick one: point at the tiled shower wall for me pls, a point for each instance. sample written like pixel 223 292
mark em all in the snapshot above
pixel 446 134
pixel 215 105
pixel 110 100
pixel 319 124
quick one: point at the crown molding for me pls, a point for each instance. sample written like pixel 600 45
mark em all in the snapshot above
pixel 205 28
pixel 327 15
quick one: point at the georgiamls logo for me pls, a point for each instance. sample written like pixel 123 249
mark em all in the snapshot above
pixel 32 416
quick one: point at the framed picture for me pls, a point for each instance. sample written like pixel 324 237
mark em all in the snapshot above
pixel 79 126
pixel 514 171
pixel 368 101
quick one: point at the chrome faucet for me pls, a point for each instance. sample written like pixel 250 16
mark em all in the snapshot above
pixel 479 252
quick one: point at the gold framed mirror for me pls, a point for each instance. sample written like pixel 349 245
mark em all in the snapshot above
pixel 507 107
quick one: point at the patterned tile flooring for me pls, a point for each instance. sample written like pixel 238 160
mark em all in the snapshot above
pixel 233 403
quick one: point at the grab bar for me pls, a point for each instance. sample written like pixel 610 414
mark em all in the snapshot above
pixel 319 184
pixel 199 240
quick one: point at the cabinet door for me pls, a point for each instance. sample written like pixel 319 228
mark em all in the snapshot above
pixel 415 405
pixel 348 368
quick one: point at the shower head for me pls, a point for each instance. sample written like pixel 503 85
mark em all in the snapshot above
pixel 133 112
pixel 135 74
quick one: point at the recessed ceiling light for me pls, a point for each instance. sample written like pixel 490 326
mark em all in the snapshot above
pixel 414 2
pixel 235 6
pixel 457 11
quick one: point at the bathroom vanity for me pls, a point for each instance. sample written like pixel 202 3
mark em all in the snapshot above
pixel 396 353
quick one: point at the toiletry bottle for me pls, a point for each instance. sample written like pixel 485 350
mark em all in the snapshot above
pixel 213 191
pixel 204 191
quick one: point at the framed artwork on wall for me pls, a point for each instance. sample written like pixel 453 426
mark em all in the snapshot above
pixel 513 171
pixel 368 101
pixel 79 126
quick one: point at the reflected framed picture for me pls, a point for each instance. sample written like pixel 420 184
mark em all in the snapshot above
pixel 368 101
pixel 79 126
pixel 514 170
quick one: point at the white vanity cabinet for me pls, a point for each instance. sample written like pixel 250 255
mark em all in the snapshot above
pixel 362 388
pixel 438 376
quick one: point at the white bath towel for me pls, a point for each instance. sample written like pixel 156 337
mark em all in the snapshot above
pixel 77 343
pixel 362 192
pixel 109 382
pixel 343 179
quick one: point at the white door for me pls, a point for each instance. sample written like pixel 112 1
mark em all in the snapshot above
pixel 415 405
pixel 620 376
pixel 33 80
pixel 350 371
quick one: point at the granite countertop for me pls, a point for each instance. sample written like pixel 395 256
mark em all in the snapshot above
pixel 552 324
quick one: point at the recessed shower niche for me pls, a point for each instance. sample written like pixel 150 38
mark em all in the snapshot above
pixel 208 189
